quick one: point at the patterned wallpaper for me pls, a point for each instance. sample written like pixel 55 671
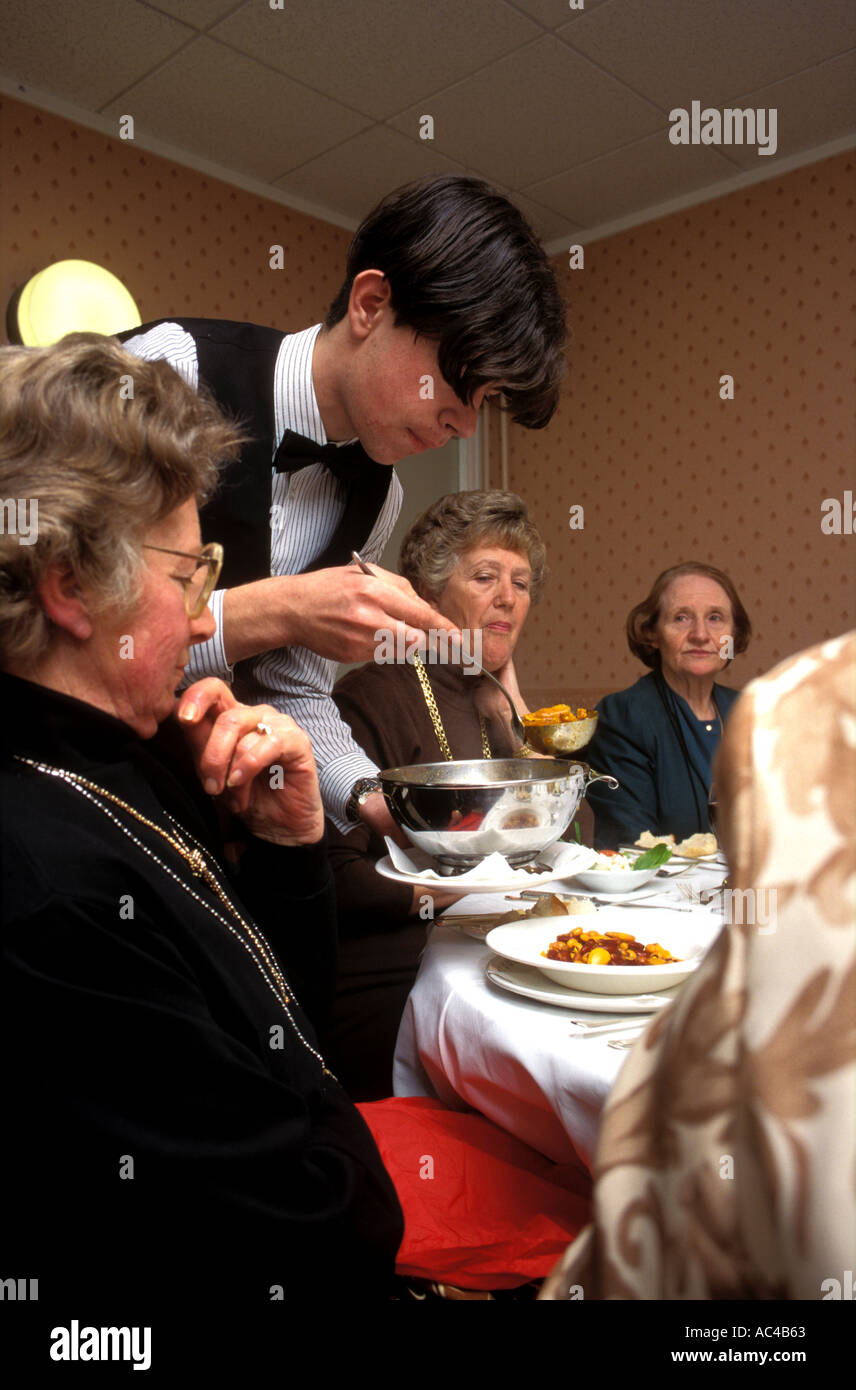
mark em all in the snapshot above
pixel 181 242
pixel 757 285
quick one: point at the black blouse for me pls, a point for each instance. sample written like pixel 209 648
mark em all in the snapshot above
pixel 168 1123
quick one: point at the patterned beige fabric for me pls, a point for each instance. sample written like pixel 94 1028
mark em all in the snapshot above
pixel 725 1166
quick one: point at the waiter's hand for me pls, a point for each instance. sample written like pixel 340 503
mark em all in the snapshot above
pixel 257 760
pixel 339 611
pixel 334 612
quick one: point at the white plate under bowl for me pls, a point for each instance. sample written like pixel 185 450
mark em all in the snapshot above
pixel 614 880
pixel 524 941
pixel 451 883
pixel 532 984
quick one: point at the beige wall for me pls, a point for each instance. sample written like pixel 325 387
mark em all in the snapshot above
pixel 755 284
pixel 181 242
pixel 758 285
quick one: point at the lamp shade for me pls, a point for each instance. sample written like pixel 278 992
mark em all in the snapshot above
pixel 70 297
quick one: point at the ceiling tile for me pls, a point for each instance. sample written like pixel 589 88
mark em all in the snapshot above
pixel 217 103
pixel 382 57
pixel 643 174
pixel 546 223
pixel 555 110
pixel 675 51
pixel 812 109
pixel 199 13
pixel 354 176
pixel 575 119
pixel 86 53
pixel 553 13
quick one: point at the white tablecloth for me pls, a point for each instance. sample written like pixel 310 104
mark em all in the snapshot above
pixel 472 1045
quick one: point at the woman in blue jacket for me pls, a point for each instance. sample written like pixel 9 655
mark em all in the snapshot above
pixel 659 736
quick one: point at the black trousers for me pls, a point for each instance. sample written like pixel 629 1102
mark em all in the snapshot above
pixel 376 974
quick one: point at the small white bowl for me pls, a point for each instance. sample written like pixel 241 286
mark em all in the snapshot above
pixel 614 880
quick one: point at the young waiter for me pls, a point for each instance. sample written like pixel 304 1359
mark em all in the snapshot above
pixel 448 298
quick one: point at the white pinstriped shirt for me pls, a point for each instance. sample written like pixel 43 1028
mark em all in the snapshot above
pixel 306 508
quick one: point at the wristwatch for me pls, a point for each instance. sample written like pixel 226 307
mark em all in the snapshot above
pixel 360 793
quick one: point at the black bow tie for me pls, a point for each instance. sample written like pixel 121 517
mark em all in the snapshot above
pixel 345 461
pixel 366 486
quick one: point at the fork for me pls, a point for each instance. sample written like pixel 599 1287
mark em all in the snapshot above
pixel 699 896
pixel 612 902
pixel 598 1030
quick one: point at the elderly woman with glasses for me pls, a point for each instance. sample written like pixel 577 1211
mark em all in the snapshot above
pixel 479 559
pixel 174 1126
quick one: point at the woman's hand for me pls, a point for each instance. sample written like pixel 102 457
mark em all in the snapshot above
pixel 492 703
pixel 265 775
pixel 375 813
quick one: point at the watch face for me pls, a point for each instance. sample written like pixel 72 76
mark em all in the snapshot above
pixel 363 789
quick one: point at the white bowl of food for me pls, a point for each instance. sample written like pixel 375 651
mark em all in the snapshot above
pixel 528 942
pixel 615 871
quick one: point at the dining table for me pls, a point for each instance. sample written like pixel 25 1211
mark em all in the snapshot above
pixel 540 1070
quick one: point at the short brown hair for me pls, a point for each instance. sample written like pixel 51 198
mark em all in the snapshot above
pixel 456 524
pixel 106 445
pixel 643 619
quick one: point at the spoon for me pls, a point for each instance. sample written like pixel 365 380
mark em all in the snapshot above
pixel 516 724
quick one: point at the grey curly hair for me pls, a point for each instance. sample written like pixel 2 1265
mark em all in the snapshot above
pixel 105 445
pixel 456 524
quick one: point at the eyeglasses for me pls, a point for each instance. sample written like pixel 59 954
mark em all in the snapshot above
pixel 198 587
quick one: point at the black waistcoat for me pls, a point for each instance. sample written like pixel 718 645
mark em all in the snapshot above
pixel 237 362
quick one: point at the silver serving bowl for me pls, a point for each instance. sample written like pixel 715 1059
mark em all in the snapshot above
pixel 459 812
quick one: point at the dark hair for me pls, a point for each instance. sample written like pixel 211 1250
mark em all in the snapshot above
pixel 456 524
pixel 464 267
pixel 643 619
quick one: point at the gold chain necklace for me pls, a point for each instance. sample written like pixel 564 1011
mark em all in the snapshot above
pixel 435 714
pixel 253 941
